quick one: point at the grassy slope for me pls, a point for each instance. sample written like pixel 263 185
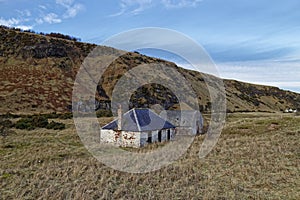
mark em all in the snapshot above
pixel 37 75
pixel 257 157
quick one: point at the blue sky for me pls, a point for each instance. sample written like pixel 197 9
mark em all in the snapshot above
pixel 255 41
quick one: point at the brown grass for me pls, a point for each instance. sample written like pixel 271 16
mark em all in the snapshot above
pixel 250 161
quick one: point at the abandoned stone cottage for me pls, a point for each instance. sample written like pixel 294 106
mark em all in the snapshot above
pixel 187 122
pixel 137 128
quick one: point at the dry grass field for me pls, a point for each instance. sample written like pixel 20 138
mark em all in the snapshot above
pixel 257 157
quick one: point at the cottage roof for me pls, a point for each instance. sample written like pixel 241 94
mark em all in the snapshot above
pixel 140 120
pixel 183 118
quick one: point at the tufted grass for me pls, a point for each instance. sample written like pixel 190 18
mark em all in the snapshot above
pixel 257 157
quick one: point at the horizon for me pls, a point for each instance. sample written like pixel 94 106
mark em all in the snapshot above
pixel 254 42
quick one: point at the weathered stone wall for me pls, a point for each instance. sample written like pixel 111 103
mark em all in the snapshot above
pixel 130 139
pixel 110 136
pixel 163 135
pixel 134 139
pixel 172 133
pixel 143 139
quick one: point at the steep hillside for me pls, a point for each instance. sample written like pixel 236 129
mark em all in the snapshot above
pixel 37 74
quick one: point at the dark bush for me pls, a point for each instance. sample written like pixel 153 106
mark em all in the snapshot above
pixel 66 116
pixel 6 123
pixel 53 115
pixel 104 113
pixel 56 126
pixel 10 115
pixel 25 123
pixel 40 121
pixel 62 36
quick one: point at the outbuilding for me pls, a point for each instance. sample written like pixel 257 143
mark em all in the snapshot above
pixel 137 128
pixel 187 122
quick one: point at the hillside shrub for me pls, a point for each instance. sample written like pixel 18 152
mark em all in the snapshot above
pixel 104 113
pixel 56 126
pixel 33 122
pixel 9 115
pixel 55 115
pixel 6 123
pixel 66 116
pixel 40 121
pixel 24 123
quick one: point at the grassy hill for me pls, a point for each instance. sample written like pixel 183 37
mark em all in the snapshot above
pixel 257 157
pixel 38 73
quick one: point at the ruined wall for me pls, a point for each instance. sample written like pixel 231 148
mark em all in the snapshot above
pixel 110 136
pixel 134 139
pixel 130 139
pixel 163 135
pixel 143 139
pixel 144 136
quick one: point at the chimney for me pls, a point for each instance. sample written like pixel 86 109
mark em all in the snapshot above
pixel 120 118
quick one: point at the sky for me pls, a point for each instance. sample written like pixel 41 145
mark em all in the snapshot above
pixel 256 41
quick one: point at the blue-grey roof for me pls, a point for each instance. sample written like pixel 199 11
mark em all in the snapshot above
pixel 140 120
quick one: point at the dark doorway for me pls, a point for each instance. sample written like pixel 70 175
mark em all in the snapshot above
pixel 159 136
pixel 169 134
pixel 149 138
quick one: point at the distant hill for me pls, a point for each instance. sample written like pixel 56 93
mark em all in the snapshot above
pixel 37 73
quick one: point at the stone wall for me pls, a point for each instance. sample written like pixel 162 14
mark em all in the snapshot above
pixel 134 139
pixel 130 139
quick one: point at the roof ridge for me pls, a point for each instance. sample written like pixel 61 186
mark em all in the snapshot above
pixel 136 119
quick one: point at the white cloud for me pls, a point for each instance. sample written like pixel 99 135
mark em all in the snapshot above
pixel 13 22
pixel 138 6
pixel 133 6
pixel 65 2
pixel 39 21
pixel 285 75
pixel 180 3
pixel 51 18
pixel 24 27
pixel 24 13
pixel 72 9
pixel 9 22
pixel 43 7
pixel 27 19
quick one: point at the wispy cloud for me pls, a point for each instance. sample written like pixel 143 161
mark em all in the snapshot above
pixel 51 18
pixel 24 13
pixel 9 22
pixel 72 8
pixel 13 22
pixel 180 3
pixel 281 74
pixel 133 6
pixel 137 6
pixel 43 7
pixel 21 20
pixel 27 19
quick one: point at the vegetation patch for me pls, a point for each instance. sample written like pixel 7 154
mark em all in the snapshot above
pixel 104 113
pixel 31 123
pixel 56 126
